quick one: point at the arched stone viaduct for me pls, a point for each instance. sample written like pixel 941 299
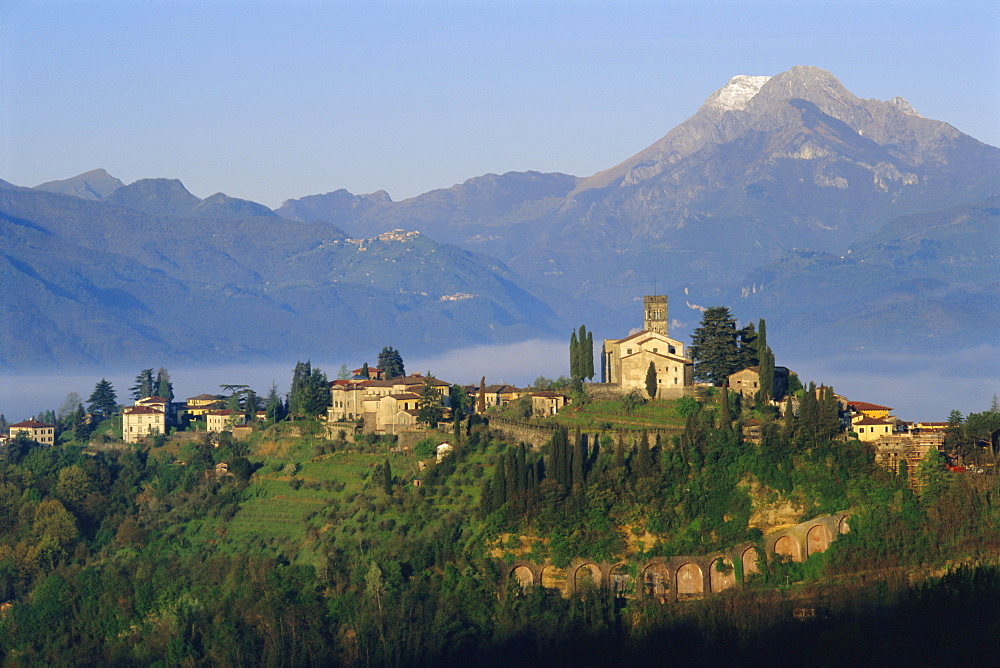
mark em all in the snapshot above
pixel 673 578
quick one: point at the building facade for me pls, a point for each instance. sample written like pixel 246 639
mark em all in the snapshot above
pixel 625 362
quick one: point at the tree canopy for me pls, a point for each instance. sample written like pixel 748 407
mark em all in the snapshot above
pixel 714 348
pixel 390 362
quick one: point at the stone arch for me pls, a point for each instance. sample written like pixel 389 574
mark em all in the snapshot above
pixel 622 582
pixel 722 575
pixel 656 579
pixel 586 576
pixel 554 578
pixel 523 576
pixel 788 547
pixel 749 558
pixel 689 580
pixel 844 527
pixel 818 539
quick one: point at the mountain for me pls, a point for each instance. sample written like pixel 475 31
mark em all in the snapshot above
pixel 922 282
pixel 95 184
pixel 853 224
pixel 767 166
pixel 169 197
pixel 94 282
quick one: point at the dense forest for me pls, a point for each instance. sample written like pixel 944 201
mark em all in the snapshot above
pixel 315 549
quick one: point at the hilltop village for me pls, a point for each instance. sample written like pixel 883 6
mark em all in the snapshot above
pixel 645 365
pixel 392 518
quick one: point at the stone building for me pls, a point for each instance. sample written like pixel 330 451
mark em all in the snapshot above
pixel 892 449
pixel 746 382
pixel 625 362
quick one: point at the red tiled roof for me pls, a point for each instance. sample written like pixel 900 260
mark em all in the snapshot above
pixel 405 395
pixel 224 411
pixel 142 410
pixel 31 424
pixel 865 406
pixel 874 421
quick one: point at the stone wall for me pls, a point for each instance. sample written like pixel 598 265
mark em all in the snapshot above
pixel 685 576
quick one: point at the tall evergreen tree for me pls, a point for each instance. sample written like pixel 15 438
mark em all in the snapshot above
pixel 714 347
pixel 310 392
pixel 765 392
pixel 574 356
pixel 103 401
pixel 144 386
pixel 274 406
pixel 643 459
pixel 390 362
pixel 429 405
pixel 481 398
pixel 164 388
pixel 651 382
pixel 748 346
pixel 588 355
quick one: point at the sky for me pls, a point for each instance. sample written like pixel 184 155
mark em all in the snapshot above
pixel 276 100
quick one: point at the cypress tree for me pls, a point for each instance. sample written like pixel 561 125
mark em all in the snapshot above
pixel 574 356
pixel 651 380
pixel 522 469
pixel 725 413
pixel 510 475
pixel 486 499
pixel 387 478
pixel 588 355
pixel 499 486
pixel 577 461
pixel 643 459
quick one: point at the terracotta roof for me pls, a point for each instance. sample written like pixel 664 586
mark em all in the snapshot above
pixel 224 411
pixel 865 406
pixel 142 410
pixel 204 397
pixel 154 400
pixel 874 421
pixel 405 395
pixel 31 424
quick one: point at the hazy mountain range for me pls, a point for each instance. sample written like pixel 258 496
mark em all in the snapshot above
pixel 849 224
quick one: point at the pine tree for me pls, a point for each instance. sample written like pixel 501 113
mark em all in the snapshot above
pixel 430 411
pixel 714 347
pixel 143 385
pixel 390 363
pixel 103 401
pixel 651 381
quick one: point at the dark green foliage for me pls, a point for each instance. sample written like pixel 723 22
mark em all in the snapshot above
pixel 103 401
pixel 581 354
pixel 310 392
pixel 164 388
pixel 714 348
pixel 430 408
pixel 144 385
pixel 390 363
pixel 651 381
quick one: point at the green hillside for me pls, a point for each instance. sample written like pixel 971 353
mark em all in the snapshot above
pixel 308 553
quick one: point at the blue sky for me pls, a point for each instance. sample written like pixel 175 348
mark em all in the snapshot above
pixel 275 100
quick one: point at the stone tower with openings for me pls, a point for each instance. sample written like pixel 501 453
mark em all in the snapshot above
pixel 655 319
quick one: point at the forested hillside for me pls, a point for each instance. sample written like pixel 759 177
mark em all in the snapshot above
pixel 318 547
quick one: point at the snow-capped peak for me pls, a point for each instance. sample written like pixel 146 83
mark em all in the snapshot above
pixel 735 94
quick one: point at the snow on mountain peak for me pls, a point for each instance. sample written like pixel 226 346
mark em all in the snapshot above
pixel 735 94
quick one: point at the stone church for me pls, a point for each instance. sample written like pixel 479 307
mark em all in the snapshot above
pixel 624 362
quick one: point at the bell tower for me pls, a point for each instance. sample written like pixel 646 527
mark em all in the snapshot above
pixel 655 318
